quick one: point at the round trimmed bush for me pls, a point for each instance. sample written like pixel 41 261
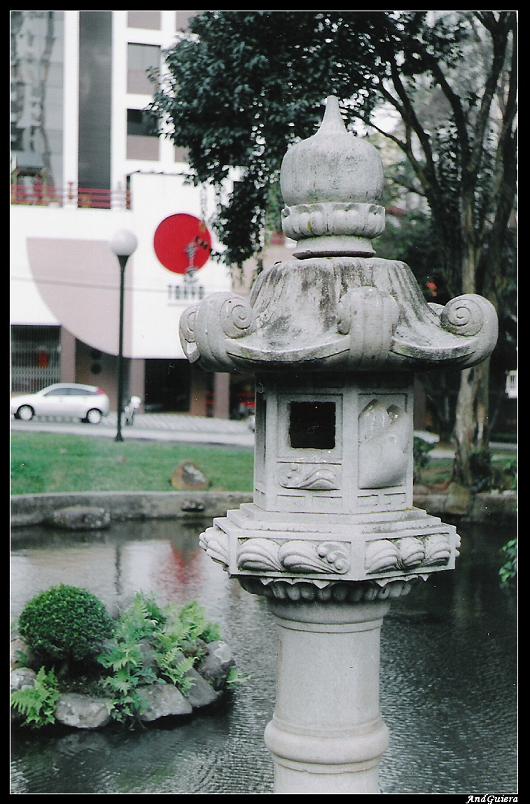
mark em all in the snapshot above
pixel 65 623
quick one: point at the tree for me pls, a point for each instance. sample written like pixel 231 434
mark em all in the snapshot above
pixel 246 84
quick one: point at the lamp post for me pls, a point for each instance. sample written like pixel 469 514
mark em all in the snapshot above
pixel 123 244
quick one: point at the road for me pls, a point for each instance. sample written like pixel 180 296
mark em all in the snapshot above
pixel 177 427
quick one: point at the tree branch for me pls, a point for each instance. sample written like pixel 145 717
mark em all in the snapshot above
pixel 410 117
pixel 499 34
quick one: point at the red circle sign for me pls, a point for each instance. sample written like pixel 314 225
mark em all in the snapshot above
pixel 181 242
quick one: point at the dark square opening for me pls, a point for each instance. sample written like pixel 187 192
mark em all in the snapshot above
pixel 312 425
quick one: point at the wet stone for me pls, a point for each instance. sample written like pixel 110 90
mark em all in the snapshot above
pixel 23 678
pixel 202 692
pixel 163 700
pixel 217 663
pixel 82 711
pixel 79 517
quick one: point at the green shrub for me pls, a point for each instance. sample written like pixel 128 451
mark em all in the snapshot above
pixel 38 704
pixel 65 624
pixel 421 449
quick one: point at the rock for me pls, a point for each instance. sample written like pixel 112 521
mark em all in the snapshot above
pixel 82 711
pixel 202 692
pixel 23 678
pixel 192 506
pixel 188 477
pixel 148 653
pixel 215 666
pixel 21 655
pixel 459 499
pixel 79 517
pixel 163 700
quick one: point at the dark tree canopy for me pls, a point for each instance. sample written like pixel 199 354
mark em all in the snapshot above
pixel 246 84
pixel 252 82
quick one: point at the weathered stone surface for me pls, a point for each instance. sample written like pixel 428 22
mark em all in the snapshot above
pixel 34 509
pixel 217 663
pixel 188 477
pixel 459 499
pixel 82 711
pixel 163 700
pixel 202 692
pixel 21 654
pixel 79 517
pixel 23 678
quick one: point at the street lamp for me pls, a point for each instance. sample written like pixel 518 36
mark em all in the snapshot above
pixel 123 244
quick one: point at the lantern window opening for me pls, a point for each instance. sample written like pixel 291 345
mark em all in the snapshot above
pixel 312 425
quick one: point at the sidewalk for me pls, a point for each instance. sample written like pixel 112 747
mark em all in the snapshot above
pixel 151 426
pixel 179 427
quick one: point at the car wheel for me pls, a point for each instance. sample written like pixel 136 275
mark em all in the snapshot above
pixel 25 412
pixel 94 416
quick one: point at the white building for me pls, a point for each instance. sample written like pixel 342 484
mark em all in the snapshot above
pixel 86 164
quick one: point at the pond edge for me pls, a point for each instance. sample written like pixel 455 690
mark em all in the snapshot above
pixel 34 509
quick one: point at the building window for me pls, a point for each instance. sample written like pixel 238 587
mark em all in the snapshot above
pixel 139 59
pixel 183 19
pixel 312 425
pixel 35 355
pixel 181 154
pixel 144 19
pixel 142 135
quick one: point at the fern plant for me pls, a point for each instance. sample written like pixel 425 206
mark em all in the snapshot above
pixel 125 662
pixel 38 704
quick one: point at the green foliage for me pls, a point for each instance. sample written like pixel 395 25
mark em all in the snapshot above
pixel 172 637
pixel 235 677
pixel 65 623
pixel 508 571
pixel 125 661
pixel 170 661
pixel 38 704
pixel 194 617
pixel 421 449
pixel 487 476
pixel 247 85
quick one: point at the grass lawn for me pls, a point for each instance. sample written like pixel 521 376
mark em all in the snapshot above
pixel 45 462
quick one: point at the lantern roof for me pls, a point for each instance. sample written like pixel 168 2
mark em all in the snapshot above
pixel 335 306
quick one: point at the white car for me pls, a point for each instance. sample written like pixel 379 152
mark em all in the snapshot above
pixel 85 402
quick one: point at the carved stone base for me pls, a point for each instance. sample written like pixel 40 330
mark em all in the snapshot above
pixel 251 542
pixel 327 735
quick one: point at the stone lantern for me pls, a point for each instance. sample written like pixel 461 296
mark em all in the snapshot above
pixel 334 336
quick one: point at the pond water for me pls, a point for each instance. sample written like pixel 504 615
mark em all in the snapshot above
pixel 448 674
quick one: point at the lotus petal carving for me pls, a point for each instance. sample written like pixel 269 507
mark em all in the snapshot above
pixel 298 476
pixel 215 542
pixel 259 554
pixel 437 549
pixel 411 551
pixel 381 555
pixel 304 556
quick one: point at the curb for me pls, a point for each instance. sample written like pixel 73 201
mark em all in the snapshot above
pixel 33 509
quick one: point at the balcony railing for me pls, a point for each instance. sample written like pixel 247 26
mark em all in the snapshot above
pixel 70 196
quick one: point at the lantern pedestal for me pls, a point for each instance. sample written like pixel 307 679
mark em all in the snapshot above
pixel 326 735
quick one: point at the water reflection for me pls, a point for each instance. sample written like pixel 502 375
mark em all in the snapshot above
pixel 447 691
